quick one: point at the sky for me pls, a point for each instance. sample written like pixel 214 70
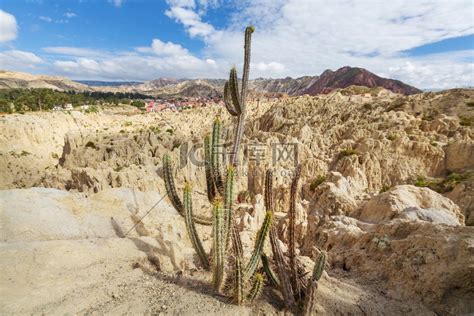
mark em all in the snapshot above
pixel 428 44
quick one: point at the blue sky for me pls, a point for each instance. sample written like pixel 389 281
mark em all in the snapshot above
pixel 429 44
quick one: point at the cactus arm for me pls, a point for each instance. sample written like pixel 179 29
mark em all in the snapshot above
pixel 215 158
pixel 292 232
pixel 218 246
pixel 319 267
pixel 169 184
pixel 234 91
pixel 283 277
pixel 285 283
pixel 173 194
pixel 311 295
pixel 268 190
pixel 228 201
pixel 257 252
pixel 228 101
pixel 191 228
pixel 238 281
pixel 256 288
pixel 268 271
pixel 211 188
pixel 310 302
pixel 236 242
pixel 245 78
pixel 241 119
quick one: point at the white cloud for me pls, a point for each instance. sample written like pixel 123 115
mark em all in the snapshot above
pixel 305 37
pixel 160 59
pixel 8 27
pixel 191 20
pixel 117 3
pixel 46 18
pixel 17 59
pixel 295 38
pixel 160 48
pixel 70 15
pixel 74 51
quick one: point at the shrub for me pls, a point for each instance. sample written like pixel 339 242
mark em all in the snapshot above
pixel 384 188
pixel 90 144
pixel 92 109
pixel 421 182
pixel 348 152
pixel 470 103
pixel 316 182
pixel 465 121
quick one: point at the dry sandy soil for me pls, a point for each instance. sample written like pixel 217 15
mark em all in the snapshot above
pixel 73 188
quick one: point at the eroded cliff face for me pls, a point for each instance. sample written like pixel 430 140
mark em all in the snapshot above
pixel 371 162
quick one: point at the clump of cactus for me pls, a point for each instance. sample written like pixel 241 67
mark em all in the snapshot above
pixel 232 274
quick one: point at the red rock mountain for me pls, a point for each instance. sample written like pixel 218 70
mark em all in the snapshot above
pixel 347 76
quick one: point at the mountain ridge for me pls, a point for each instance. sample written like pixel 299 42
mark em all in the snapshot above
pixel 328 81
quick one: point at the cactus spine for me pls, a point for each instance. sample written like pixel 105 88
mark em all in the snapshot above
pixel 190 227
pixel 238 282
pixel 257 252
pixel 218 246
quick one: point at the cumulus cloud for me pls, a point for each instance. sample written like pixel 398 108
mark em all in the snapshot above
pixel 46 18
pixel 116 3
pixel 74 51
pixel 17 59
pixel 160 59
pixel 8 27
pixel 295 38
pixel 183 12
pixel 70 15
pixel 160 48
pixel 307 37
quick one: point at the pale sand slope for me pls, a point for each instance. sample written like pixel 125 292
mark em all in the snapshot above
pixel 61 253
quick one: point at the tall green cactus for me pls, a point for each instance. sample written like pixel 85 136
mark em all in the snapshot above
pixel 220 192
pixel 284 279
pixel 211 187
pixel 190 227
pixel 319 267
pixel 218 246
pixel 234 99
pixel 259 243
pixel 292 231
pixel 173 194
pixel 238 288
pixel 216 155
pixel 256 287
pixel 228 203
pixel 272 278
pixel 313 286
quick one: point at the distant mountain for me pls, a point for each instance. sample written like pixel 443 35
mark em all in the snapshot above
pixel 95 83
pixel 328 81
pixel 286 85
pixel 352 76
pixel 13 80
